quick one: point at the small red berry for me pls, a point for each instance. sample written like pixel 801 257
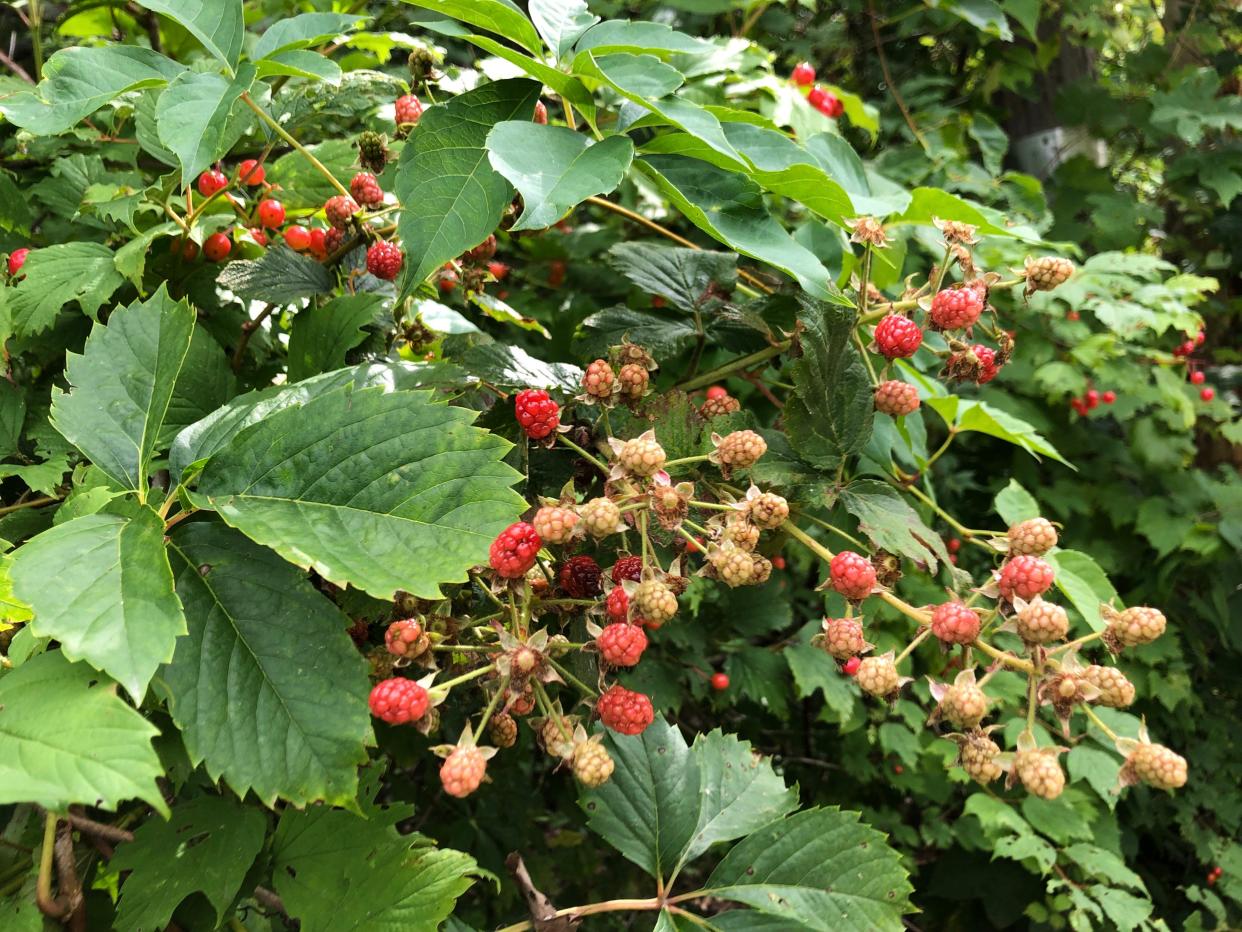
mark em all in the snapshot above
pixel 617 605
pixel 189 249
pixel 1079 405
pixel 340 210
pixel 622 645
pixel 271 213
pixel 1024 576
pixel 514 550
pixel 954 545
pixel 211 181
pixel 896 398
pixel 536 412
pixel 802 74
pixel 499 270
pixel 217 247
pixel 717 391
pixel 627 567
pixel 580 578
pixel 897 337
pixel 1108 397
pixel 1208 394
pixel 720 682
pixel 831 105
pixel 1198 377
pixel 319 241
pixel 850 667
pixel 541 113
pixel 408 109
pixel 852 575
pixel 1073 315
pixel 816 97
pixel 251 172
pixel 1092 399
pixel 397 700
pixel 556 273
pixel 366 189
pixel 778 562
pixel 384 260
pixel 625 711
pixel 988 368
pixel 954 623
pixel 17 258
pixel 1199 339
pixel 298 238
pixel 447 280
pixel 258 235
pixel 482 252
pixel 657 301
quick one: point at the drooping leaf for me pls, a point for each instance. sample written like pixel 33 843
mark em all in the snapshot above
pixel 281 276
pixel 502 17
pixel 638 37
pixel 967 415
pixel 891 524
pixel 56 275
pixel 454 197
pixel 385 492
pixel 192 116
pixel 555 168
pixel 210 843
pixel 113 603
pixel 303 31
pixel 218 24
pixel 688 278
pixel 267 689
pixel 321 336
pixel 504 313
pixel 12 609
pixel 561 22
pixel 301 63
pixel 69 739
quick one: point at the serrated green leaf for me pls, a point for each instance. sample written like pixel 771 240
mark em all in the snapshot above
pixel 1015 504
pixel 69 739
pixel 15 215
pixel 1084 583
pixel 1026 846
pixel 218 24
pixel 321 336
pixel 813 671
pixel 56 275
pixel 192 115
pixel 301 63
pixel 303 31
pixel 664 333
pixel 267 689
pixel 12 609
pixel 1097 767
pixel 1100 862
pixel 759 675
pixel 12 417
pixel 386 492
pixel 995 815
pixel 688 278
pixel 281 276
pixel 928 204
pixel 501 17
pixel 891 524
pixel 504 313
pixel 567 86
pixel 869 193
pixel 970 415
pixel 1058 818
pixel 207 847
pixel 1195 105
pixel 112 604
pixel 454 197
pixel 561 22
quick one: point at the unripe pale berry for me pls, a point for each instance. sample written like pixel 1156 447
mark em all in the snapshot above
pixel 843 637
pixel 878 676
pixel 1047 272
pixel 719 405
pixel 733 566
pixel 634 379
pixel 654 601
pixel 592 764
pixel 642 456
pixel 768 510
pixel 1035 536
pixel 598 379
pixel 1157 766
pixel 1136 625
pixel 978 758
pixel 600 516
pixel 1116 691
pixel 964 705
pixel 503 730
pixel 1040 773
pixel 741 449
pixel 554 523
pixel 1042 622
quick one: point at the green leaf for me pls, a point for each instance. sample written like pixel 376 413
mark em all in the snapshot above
pixel 192 116
pixel 511 367
pixel 303 31
pixel 687 278
pixel 554 168
pixel 1096 767
pixel 984 15
pixel 1015 504
pixel 12 609
pixel 1100 862
pixel 663 333
pixel 281 276
pixel 814 670
pixel 267 689
pixel 56 275
pixel 995 815
pixel 386 492
pixel 1026 846
pixel 1195 105
pixel 891 524
pixel 567 86
pixel 638 36
pixel 561 22
pixel 928 204
pixel 69 739
pixel 1082 581
pixel 112 604
pixel 207 847
pixel 218 24
pixel 12 417
pixel 729 207
pixel 504 313
pixel 829 416
pixel 123 385
pixel 15 215
pixel 321 336
pixel 501 17
pixel 817 869
pixel 300 63
pixel 454 198
pixel 1057 819
pixel 967 415
pixel 78 81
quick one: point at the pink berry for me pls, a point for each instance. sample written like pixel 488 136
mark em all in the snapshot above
pixel 397 700
pixel 1208 394
pixel 408 109
pixel 621 645
pixel 625 711
pixel 401 636
pixel 541 113
pixel 340 210
pixel 850 667
pixel 1198 377
pixel 852 575
pixel 384 260
pixel 1025 577
pixel 954 623
pixel 17 258
pixel 956 308
pixel 1109 397
pixel 463 771
pixel 366 189
pixel 896 398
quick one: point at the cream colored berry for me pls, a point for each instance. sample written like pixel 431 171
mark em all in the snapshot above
pixel 1046 272
pixel 600 516
pixel 1034 537
pixel 556 736
pixel 1157 766
pixel 592 764
pixel 843 637
pixel 554 523
pixel 739 531
pixel 642 456
pixel 978 758
pixel 878 676
pixel 1039 772
pixel 1042 622
pixel 1115 691
pixel 717 407
pixel 634 380
pixel 768 510
pixel 741 449
pixel 964 705
pixel 761 569
pixel 732 565
pixel 654 601
pixel 1136 625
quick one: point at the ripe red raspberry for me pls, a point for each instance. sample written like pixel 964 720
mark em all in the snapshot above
pixel 366 189
pixel 850 667
pixel 211 181
pixel 217 247
pixel 408 109
pixel 830 105
pixel 541 113
pixel 1198 377
pixel 852 575
pixel 988 369
pixel 1207 394
pixel 720 682
pixel 622 645
pixel 1108 397
pixel 397 700
pixel 319 241
pixel 514 550
pixel 297 238
pixel 897 337
pixel 625 711
pixel 956 308
pixel 17 258
pixel 482 252
pixel 462 771
pixel 627 567
pixel 896 398
pixel 271 213
pixel 384 260
pixel 598 379
pixel 617 605
pixel 340 210
pixel 803 74
pixel 402 636
pixel 954 623
pixel 250 172
pixel 843 637
pixel 579 577
pixel 536 412
pixel 1025 577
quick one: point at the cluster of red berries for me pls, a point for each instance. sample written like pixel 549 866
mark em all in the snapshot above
pixel 1213 875
pixel 823 100
pixel 1091 400
pixel 268 212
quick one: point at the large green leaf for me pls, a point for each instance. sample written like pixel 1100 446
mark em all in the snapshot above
pixel 554 168
pixel 663 333
pixel 303 31
pixel 502 17
pixel 207 847
pixel 321 336
pixel 69 739
pixel 454 197
pixel 561 22
pixel 102 587
pixel 218 24
pixel 566 85
pixel 1014 503
pixel 280 276
pixel 192 116
pixel 891 524
pixel 58 274
pixel 386 492
pixel 969 415
pixel 267 689
pixel 638 36
pixel 688 278
pixel 830 414
pixel 123 386
pixel 729 207
pixel 508 366
pixel 78 81
pixel 819 869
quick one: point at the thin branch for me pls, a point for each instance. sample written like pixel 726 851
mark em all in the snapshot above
pixel 16 68
pixel 888 77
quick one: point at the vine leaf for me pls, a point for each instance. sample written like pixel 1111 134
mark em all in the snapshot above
pixel 267 689
pixel 193 118
pixel 962 415
pixel 69 739
pixel 281 276
pixel 207 846
pixel 218 24
pixel 561 22
pixel 113 603
pixel 57 275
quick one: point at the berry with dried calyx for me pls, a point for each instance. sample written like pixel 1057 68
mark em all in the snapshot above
pixel 503 730
pixel 366 189
pixel 627 567
pixel 601 517
pixel 1041 622
pixel 654 601
pixel 1039 772
pixel 852 575
pixel 384 260
pixel 977 755
pixel 954 623
pixel 554 523
pixel 397 700
pixel 720 682
pixel 642 456
pixel 877 676
pixel 719 405
pixel 1046 273
pixel 956 308
pixel 802 74
pixel 843 638
pixel 1114 689
pixel 514 550
pixel 592 764
pixel 963 705
pixel 580 578
pixel 1135 626
pixel 251 172
pixel 988 368
pixel 768 510
pixel 896 398
pixel 1155 765
pixel 897 337
pixel 599 379
pixel 1025 577
pixel 738 450
pixel 402 638
pixel 463 770
pixel 340 210
pixel 1035 536
pixel 621 645
pixel 407 109
pixel 536 412
pixel 634 380
pixel 624 710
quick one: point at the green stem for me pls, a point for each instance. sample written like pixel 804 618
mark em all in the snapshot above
pixel 1078 642
pixel 1014 663
pixel 712 506
pixel 36 38
pixel 744 362
pixel 573 680
pixel 1031 698
pixel 701 458
pixel 866 357
pixel 542 695
pixel 491 706
pixel 464 678
pixel 306 153
pixel 836 530
pixel 599 464
pixel 1098 722
pixel 941 451
pixel 917 640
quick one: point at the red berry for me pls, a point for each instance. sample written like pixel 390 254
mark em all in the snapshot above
pixel 384 260
pixel 803 74
pixel 954 545
pixel 189 249
pixel 1208 394
pixel 271 213
pixel 1073 315
pixel 298 238
pixel 627 567
pixel 896 398
pixel 217 247
pixel 657 301
pixel 622 645
pixel 850 667
pixel 211 181
pixel 17 258
pixel 956 308
pixel 1198 377
pixel 257 234
pixel 251 172
pixel 717 391
pixel 617 605
pixel 1025 577
pixel 720 682
pixel 1199 338
pixel 1109 397
pixel 778 562
pixel 499 270
pixel 402 635
pixel 447 280
pixel 852 575
pixel 580 578
pixel 1092 399
pixel 536 412
pixel 514 550
pixel 831 105
pixel 408 109
pixel 625 711
pixel 366 189
pixel 988 369
pixel 1079 405
pixel 463 771
pixel 333 239
pixel 816 97
pixel 482 252
pixel 556 273
pixel 340 210
pixel 397 700
pixel 319 241
pixel 541 113
pixel 897 337
pixel 954 623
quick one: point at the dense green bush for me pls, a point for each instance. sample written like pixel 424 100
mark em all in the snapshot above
pixel 244 434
